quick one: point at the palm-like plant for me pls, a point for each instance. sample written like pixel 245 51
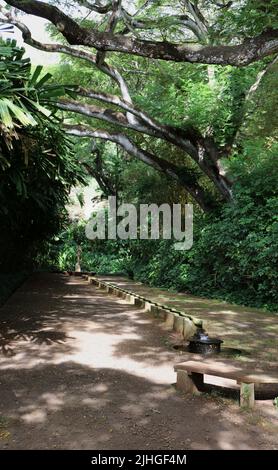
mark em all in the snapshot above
pixel 37 163
pixel 14 71
pixel 23 93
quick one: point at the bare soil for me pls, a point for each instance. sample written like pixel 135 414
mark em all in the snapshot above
pixel 83 370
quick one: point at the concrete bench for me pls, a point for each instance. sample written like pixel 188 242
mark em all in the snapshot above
pixel 190 376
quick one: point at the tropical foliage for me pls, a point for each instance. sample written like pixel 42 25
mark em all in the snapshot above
pixel 37 165
pixel 234 255
pixel 163 103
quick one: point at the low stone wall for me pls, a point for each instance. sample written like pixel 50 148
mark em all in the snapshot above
pixel 180 322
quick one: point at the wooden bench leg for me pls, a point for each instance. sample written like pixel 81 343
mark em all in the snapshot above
pixel 188 383
pixel 247 395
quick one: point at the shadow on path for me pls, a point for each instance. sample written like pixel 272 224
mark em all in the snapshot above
pixel 82 370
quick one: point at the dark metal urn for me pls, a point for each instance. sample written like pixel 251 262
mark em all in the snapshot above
pixel 201 343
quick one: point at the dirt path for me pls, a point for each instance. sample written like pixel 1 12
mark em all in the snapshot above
pixel 83 370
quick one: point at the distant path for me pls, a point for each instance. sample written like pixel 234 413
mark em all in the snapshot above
pixel 83 370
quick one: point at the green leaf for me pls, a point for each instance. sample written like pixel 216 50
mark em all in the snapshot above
pixel 43 80
pixel 35 75
pixel 24 117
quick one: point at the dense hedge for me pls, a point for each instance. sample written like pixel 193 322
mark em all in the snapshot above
pixel 235 250
pixel 234 255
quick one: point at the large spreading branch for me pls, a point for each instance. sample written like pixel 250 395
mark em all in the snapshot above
pixel 199 148
pixel 182 175
pixel 250 50
pixel 104 114
pixel 190 141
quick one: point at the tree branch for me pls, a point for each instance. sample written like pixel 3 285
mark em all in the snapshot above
pixel 146 25
pixel 187 181
pixel 199 19
pixel 189 140
pixel 97 6
pixel 105 114
pixel 97 171
pixel 156 129
pixel 250 50
pixel 71 51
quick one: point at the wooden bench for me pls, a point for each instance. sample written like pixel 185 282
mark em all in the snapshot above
pixel 190 376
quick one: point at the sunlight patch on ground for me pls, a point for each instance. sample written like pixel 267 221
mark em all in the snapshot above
pixel 97 350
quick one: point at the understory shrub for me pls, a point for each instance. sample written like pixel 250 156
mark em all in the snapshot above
pixel 235 251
